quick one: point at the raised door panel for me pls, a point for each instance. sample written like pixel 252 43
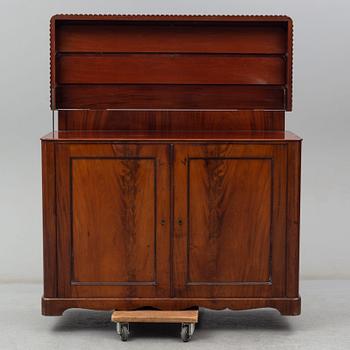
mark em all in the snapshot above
pixel 113 212
pixel 230 220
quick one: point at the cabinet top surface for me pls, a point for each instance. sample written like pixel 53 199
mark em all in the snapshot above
pixel 143 136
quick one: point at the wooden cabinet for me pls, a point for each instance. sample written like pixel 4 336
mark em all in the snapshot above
pixel 171 182
pixel 174 223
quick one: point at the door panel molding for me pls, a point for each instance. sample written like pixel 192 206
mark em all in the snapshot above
pixel 123 199
pixel 269 181
pixel 126 223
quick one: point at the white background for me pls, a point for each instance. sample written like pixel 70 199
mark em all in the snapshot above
pixel 320 115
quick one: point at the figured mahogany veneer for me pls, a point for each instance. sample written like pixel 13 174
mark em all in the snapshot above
pixel 171 182
pixel 169 97
pixel 164 69
pixel 165 121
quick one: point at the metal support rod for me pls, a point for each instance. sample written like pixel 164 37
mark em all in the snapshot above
pixel 53 121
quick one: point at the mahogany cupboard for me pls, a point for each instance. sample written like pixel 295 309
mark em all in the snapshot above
pixel 171 182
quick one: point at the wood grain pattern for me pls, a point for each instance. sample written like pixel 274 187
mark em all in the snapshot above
pixel 228 224
pixel 293 221
pixel 154 316
pixel 169 36
pixel 169 69
pixel 229 238
pixel 170 120
pixel 113 210
pixel 197 97
pixel 109 226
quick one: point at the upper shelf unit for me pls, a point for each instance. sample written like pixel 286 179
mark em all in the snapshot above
pixel 171 62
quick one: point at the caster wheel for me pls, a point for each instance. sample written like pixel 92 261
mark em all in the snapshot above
pixel 123 331
pixel 186 332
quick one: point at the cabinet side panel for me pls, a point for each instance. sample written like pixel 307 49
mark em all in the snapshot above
pixel 293 219
pixel 49 219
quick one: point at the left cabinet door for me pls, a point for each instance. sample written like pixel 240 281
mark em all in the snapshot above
pixel 113 220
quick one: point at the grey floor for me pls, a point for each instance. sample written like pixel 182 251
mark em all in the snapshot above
pixel 324 324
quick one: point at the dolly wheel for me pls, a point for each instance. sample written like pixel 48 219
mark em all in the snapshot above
pixel 123 331
pixel 186 332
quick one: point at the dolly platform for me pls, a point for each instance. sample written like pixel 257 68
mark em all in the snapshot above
pixel 187 318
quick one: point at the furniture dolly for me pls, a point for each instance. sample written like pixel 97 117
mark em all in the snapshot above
pixel 170 182
pixel 187 318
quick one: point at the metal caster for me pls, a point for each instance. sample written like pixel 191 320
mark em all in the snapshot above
pixel 123 331
pixel 187 330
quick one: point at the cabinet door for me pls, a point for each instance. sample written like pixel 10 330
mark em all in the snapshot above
pixel 113 220
pixel 230 220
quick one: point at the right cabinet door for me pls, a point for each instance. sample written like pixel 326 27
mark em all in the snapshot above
pixel 229 220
